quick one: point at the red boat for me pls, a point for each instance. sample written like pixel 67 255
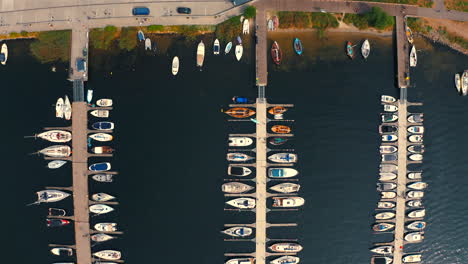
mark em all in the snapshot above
pixel 57 222
pixel 276 53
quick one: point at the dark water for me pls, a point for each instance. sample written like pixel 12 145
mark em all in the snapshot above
pixel 170 141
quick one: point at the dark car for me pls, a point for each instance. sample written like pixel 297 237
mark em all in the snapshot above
pixel 141 11
pixel 184 10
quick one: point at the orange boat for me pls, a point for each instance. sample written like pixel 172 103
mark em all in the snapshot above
pixel 281 129
pixel 277 110
pixel 240 112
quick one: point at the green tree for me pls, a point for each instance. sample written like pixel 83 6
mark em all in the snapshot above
pixel 229 29
pixel 52 46
pixel 378 18
pixel 128 38
pixel 250 12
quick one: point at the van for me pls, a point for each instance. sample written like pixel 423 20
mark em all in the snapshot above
pixel 140 11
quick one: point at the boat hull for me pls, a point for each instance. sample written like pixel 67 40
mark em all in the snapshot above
pixel 200 54
pixel 276 54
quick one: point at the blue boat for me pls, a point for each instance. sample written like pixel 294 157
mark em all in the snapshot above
pixel 239 40
pixel 103 166
pixel 298 46
pixel 240 100
pixel 141 35
pixel 103 125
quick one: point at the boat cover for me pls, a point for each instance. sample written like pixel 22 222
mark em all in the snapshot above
pixel 2 56
pixel 277 173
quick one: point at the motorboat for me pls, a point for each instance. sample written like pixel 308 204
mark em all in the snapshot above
pixel 108 254
pixel 350 50
pixel 387 129
pixel 282 172
pixel 102 197
pixel 409 35
pixel 286 260
pixel 382 227
pixel 389 157
pixel 240 141
pixel 57 222
pixel 55 164
pixel 238 231
pixel 384 216
pixel 4 54
pixel 413 60
pixel 239 157
pixel 412 258
pixel 415 138
pixel 385 205
pixel 102 150
pixel 276 141
pixel 275 22
pixel 388 149
pixel 103 177
pixel 59 108
pixel 175 65
pixel 416 129
pixel 100 237
pixel 415 194
pixel 416 118
pixel 67 108
pixel 216 47
pixel 104 102
pixel 388 168
pixel 387 176
pixel 200 54
pixel 387 99
pixel 270 25
pixel 416 149
pixel 283 157
pixel 416 157
pixel 235 187
pixel 100 113
pixel 416 225
pixel 241 261
pixel 417 185
pixel 286 187
pixel 288 201
pixel 57 136
pixel 390 108
pixel 387 118
pixel 245 26
pixel 464 83
pixel 154 47
pixel 239 171
pixel 414 237
pixel 241 100
pixel 102 166
pixel 386 186
pixel 147 44
pixel 387 195
pixel 417 213
pixel 286 247
pixel 365 49
pixel 228 48
pixel 89 96
pixel 56 212
pixel 381 260
pixel 239 50
pixel 277 110
pixel 103 137
pixel 239 40
pixel 56 151
pixel 100 209
pixel 458 83
pixel 242 203
pixel 276 54
pixel 281 129
pixel 389 138
pixel 103 125
pixel 240 112
pixel 141 35
pixel 297 46
pixel 106 227
pixel 384 250
pixel 62 251
pixel 414 203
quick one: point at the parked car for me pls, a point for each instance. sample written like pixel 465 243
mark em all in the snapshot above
pixel 184 10
pixel 140 11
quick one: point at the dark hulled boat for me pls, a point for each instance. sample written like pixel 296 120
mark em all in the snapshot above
pixel 276 53
pixel 57 222
pixel 276 141
pixel 102 150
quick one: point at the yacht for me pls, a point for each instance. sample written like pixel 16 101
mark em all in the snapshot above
pixel 55 164
pixel 286 260
pixel 417 213
pixel 414 237
pixel 59 108
pixel 240 141
pixel 100 113
pixel 104 102
pixel 415 194
pixel 416 118
pixel 103 177
pixel 416 149
pixel 100 237
pixel 103 125
pixel 389 138
pixel 242 203
pixel 388 149
pixel 381 260
pixel 106 227
pixel 417 185
pixel 387 118
pixel 200 54
pixel 390 108
pixel 415 157
pixel 286 247
pixel 283 157
pixel 103 166
pixel 62 251
pixel 57 136
pixel 239 171
pixel 236 187
pixel 415 138
pixel 383 250
pixel 412 258
pixel 286 187
pixel 414 203
pixel 385 205
pixel 102 197
pixel 100 209
pixel 108 254
pixel 382 227
pixel 50 196
pixel 238 231
pixel 416 225
pixel 103 137
pixel 282 172
pixel 384 216
pixel 67 109
pixel 387 99
pixel 57 151
pixel 387 176
pixel 288 201
pixel 415 175
pixel 387 195
pixel 386 186
pixel 239 157
pixel 413 57
pixel 416 129
pixel 241 261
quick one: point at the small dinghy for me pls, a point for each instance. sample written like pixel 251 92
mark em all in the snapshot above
pixel 414 203
pixel 414 237
pixel 216 47
pixel 286 247
pixel 276 54
pixel 104 102
pixel 417 185
pixel 241 261
pixel 389 138
pixel 238 157
pixel 416 149
pixel 200 54
pixel 388 167
pixel 415 138
pixel 297 46
pixel 281 129
pixel 464 83
pixel 384 250
pixel 102 150
pixel 100 113
pixel 387 176
pixel 238 171
pixel 365 49
pixel 241 100
pixel 240 112
pixel 457 83
pixel 282 172
pixel 416 129
pixel 4 54
pixel 108 254
pixel 59 108
pixel 147 44
pixel 382 227
pixel 350 50
pixel 388 149
pixel 417 213
pixel 242 203
pixel 56 212
pixel 385 205
pixel 270 25
pixel 246 27
pixel 413 57
pixel 141 35
pixel 102 197
pixel 55 164
pixel 175 65
pixel 384 216
pixel 416 118
pixel 100 237
pixel 387 195
pixel 89 96
pixel 416 157
pixel 57 222
pixel 105 125
pixel 386 186
pixel 67 109
pixel 238 231
pixel 103 137
pixel 288 201
pixel 387 118
pixel 275 22
pixel 100 209
pixel 62 251
pixel 283 157
pixel 239 50
pixel 285 259
pixel 239 40
pixel 103 166
pixel 235 187
pixel 387 99
pixel 412 258
pixel 239 141
pixel 277 110
pixel 415 194
pixel 390 108
pixel 103 177
pixel 228 48
pixel 50 196
pixel 416 225
pixel 57 151
pixel 409 35
pixel 286 187
pixel 276 141
pixel 106 227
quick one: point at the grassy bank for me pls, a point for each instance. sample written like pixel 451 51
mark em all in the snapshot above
pixel 459 5
pixel 375 18
pixel 423 3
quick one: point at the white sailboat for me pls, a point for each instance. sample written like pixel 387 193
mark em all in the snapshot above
pixel 286 187
pixel 239 50
pixel 102 197
pixel 50 196
pixel 413 57
pixel 58 136
pixel 67 108
pixel 103 137
pixel 100 237
pixel 108 254
pixel 100 209
pixel 200 54
pixel 106 227
pixel 56 151
pixel 365 49
pixel 175 65
pixel 59 108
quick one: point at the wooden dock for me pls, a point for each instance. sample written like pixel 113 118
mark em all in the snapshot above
pixel 261 48
pixel 403 50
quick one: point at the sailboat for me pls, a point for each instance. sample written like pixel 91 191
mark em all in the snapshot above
pixel 56 151
pixel 100 237
pixel 100 209
pixel 413 57
pixel 200 54
pixel 59 108
pixel 58 136
pixel 147 44
pixel 50 196
pixel 365 49
pixel 239 50
pixel 67 109
pixel 245 27
pixel 108 254
pixel 175 65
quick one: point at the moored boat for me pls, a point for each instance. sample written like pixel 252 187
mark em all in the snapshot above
pixel 286 247
pixel 387 99
pixel 389 138
pixel 416 118
pixel 386 186
pixel 288 201
pixel 390 108
pixel 228 48
pixel 385 205
pixel 102 166
pixel 239 50
pixel 235 187
pixel 382 227
pixel 103 137
pixel 89 96
pixel 102 150
pixel 67 108
pixel 100 209
pixel 414 203
pixel 382 250
pixel 388 149
pixel 414 237
pixel 388 129
pixel 175 65
pixel 283 157
pixel 276 141
pixel 387 176
pixel 4 54
pixel 413 57
pixel 365 49
pixel 105 125
pixel 106 227
pixel 464 83
pixel 416 149
pixel 241 261
pixel 387 195
pixel 386 118
pixel 415 157
pixel 282 172
pixel 417 185
pixel 350 50
pixel 412 258
pixel 415 194
pixel 242 203
pixel 200 54
pixel 277 110
pixel 297 46
pixel 415 138
pixel 240 112
pixel 239 141
pixel 62 251
pixel 384 216
pixel 57 222
pixel 100 113
pixel 245 26
pixel 275 22
pixel 286 187
pixel 409 35
pixel 281 129
pixel 59 108
pixel 147 44
pixel 276 54
pixel 239 157
pixel 141 35
pixel 381 260
pixel 100 237
pixel 286 260
pixel 388 167
pixel 416 225
pixel 216 47
pixel 102 197
pixel 417 213
pixel 416 129
pixel 238 231
pixel 103 177
pixel 108 254
pixel 104 102
pixel 270 25
pixel 56 151
pixel 239 171
pixel 458 83
pixel 55 164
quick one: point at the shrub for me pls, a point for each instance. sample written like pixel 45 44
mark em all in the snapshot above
pixel 24 33
pixel 52 46
pixel 250 12
pixel 324 20
pixel 377 18
pixel 14 35
pixel 229 29
pixel 294 19
pixel 110 29
pixel 102 38
pixel 155 28
pixel 128 38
